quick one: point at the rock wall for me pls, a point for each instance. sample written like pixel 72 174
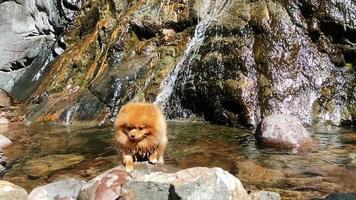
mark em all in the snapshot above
pixel 231 62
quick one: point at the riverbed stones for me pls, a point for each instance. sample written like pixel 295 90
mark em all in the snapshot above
pixel 11 191
pixel 43 166
pixel 65 189
pixel 282 131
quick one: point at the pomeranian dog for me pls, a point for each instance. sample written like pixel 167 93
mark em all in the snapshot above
pixel 141 131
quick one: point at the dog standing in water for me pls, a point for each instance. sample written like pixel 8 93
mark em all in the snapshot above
pixel 141 131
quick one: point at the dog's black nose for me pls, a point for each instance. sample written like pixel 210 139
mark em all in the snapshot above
pixel 132 136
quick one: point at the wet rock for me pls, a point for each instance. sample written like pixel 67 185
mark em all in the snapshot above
pixel 64 190
pixel 282 131
pixel 193 183
pixel 4 141
pixel 39 22
pixel 43 166
pixel 106 186
pixel 11 191
pixel 341 196
pixel 265 195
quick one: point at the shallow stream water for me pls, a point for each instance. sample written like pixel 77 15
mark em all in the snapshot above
pixel 44 153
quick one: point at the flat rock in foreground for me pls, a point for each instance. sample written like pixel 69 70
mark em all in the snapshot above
pixel 158 183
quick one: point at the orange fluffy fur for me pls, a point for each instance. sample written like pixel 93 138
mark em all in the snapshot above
pixel 141 131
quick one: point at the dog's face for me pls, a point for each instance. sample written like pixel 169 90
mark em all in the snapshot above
pixel 138 121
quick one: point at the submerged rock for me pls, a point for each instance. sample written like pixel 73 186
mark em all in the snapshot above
pixel 43 166
pixel 64 189
pixel 282 131
pixel 12 191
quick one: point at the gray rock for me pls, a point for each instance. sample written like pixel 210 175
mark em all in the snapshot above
pixel 12 191
pixel 63 189
pixel 282 131
pixel 29 29
pixel 265 195
pixel 199 183
pixel 4 141
pixel 341 196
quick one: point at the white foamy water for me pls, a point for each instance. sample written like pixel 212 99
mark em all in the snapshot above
pixel 207 13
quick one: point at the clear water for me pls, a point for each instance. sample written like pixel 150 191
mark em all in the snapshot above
pixel 323 169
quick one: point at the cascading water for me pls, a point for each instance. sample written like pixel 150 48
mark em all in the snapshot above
pixel 209 11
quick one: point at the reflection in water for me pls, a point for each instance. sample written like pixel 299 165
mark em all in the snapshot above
pixel 325 168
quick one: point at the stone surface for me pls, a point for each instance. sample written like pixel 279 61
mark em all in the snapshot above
pixel 66 189
pixel 282 131
pixel 3 121
pixel 106 186
pixel 229 62
pixel 29 28
pixel 4 141
pixel 265 195
pixel 341 196
pixel 11 191
pixel 196 183
pixel 43 166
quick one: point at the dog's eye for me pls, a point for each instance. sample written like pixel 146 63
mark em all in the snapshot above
pixel 141 128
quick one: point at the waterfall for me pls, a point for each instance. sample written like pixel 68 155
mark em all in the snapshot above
pixel 207 13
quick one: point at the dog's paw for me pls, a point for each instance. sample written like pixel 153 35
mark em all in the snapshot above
pixel 153 161
pixel 129 168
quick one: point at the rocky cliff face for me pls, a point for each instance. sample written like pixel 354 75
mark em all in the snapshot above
pixel 229 61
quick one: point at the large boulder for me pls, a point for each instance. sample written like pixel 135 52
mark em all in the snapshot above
pixel 29 31
pixel 198 183
pixel 109 184
pixel 63 189
pixel 163 182
pixel 12 191
pixel 282 131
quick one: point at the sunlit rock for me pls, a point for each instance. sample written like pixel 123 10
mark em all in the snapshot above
pixel 282 131
pixel 11 191
pixel 4 141
pixel 198 183
pixel 63 189
pixel 265 195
